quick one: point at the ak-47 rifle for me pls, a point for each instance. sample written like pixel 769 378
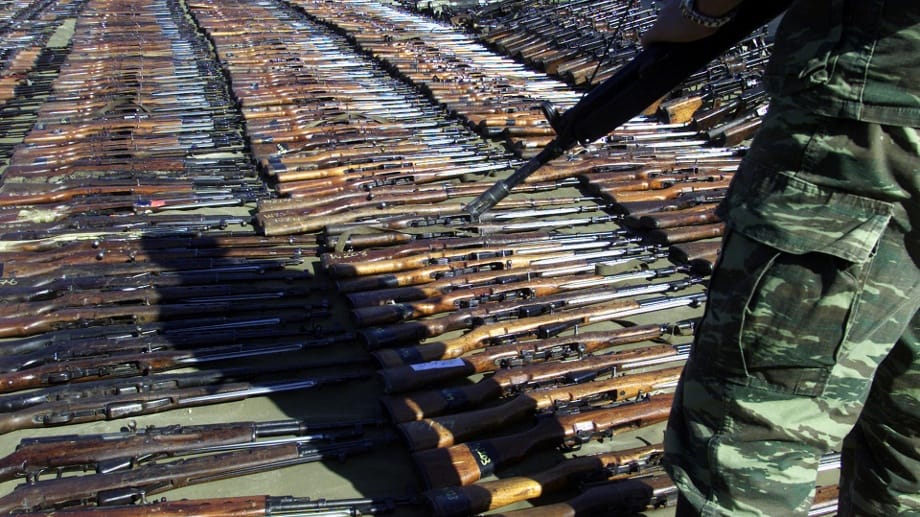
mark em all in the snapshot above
pixel 410 332
pixel 131 447
pixel 431 273
pixel 648 77
pixel 189 294
pixel 466 463
pixel 433 257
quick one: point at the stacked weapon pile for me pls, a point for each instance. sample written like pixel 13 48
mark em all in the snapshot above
pixel 207 204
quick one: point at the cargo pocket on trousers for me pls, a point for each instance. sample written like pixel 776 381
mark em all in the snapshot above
pixel 796 319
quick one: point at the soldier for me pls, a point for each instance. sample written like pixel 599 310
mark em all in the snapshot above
pixel 811 337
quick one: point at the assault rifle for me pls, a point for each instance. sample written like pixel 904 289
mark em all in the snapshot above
pixel 187 294
pixel 411 332
pixel 535 262
pixel 131 447
pixel 466 463
pixel 648 77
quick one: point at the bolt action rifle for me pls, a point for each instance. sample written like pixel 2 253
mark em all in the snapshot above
pixel 426 404
pixel 466 463
pixel 399 379
pixel 447 430
pixel 131 447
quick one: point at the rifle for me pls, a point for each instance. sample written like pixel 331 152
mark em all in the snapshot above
pixel 431 273
pixel 409 377
pixel 216 283
pixel 460 501
pixel 648 77
pixel 589 308
pixel 466 463
pixel 72 316
pixel 426 404
pixel 129 363
pixel 241 506
pixel 646 492
pixel 149 295
pixel 448 430
pixel 339 263
pixel 433 257
pixel 474 298
pixel 619 497
pixel 122 486
pixel 140 399
pixel 415 330
pixel 132 447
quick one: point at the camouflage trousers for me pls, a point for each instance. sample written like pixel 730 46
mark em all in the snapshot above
pixel 811 340
pixel 782 371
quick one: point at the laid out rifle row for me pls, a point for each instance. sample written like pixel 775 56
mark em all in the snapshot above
pixel 138 121
pixel 31 53
pixel 499 98
pixel 580 42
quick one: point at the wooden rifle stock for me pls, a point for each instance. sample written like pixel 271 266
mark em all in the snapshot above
pixel 466 463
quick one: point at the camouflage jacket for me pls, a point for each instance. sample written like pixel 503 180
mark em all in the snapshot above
pixel 835 161
pixel 857 59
